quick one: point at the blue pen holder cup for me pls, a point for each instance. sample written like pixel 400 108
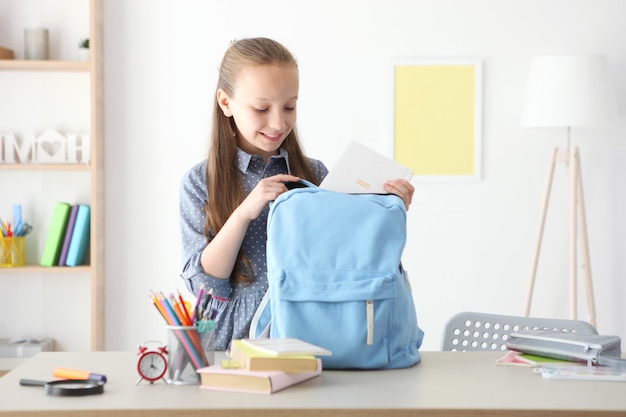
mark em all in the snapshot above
pixel 185 355
pixel 12 251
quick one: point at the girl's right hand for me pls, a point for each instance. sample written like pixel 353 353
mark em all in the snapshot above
pixel 268 189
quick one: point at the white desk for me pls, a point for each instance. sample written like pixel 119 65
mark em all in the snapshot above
pixel 444 384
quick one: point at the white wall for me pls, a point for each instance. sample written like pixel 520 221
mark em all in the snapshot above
pixel 470 244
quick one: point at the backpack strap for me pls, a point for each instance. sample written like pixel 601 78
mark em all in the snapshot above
pixel 262 319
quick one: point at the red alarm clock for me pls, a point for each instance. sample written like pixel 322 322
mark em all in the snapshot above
pixel 152 363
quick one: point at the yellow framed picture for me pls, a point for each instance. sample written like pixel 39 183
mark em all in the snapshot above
pixel 437 118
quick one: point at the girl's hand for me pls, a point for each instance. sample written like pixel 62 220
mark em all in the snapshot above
pixel 402 188
pixel 268 189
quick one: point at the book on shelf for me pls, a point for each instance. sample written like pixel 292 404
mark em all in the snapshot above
pixel 216 377
pixel 80 237
pixel 252 359
pixel 68 235
pixel 56 233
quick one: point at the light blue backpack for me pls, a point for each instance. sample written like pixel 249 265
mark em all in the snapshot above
pixel 336 280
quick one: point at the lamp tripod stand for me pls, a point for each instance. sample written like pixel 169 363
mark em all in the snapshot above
pixel 571 158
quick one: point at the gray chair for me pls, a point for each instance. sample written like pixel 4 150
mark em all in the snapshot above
pixel 471 331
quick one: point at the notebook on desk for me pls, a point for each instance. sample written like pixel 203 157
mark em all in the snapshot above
pixel 362 170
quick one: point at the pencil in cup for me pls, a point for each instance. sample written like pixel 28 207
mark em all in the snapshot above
pixel 185 348
pixel 206 329
pixel 174 316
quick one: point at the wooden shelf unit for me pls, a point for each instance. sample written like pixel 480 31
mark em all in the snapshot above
pixel 95 169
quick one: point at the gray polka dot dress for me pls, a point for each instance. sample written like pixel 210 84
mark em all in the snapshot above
pixel 235 314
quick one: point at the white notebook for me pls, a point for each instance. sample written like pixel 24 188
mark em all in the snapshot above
pixel 362 170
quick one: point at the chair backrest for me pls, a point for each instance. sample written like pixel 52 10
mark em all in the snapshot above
pixel 471 331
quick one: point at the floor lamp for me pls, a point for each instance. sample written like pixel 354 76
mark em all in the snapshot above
pixel 568 91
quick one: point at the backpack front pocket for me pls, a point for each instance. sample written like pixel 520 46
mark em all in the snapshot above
pixel 346 313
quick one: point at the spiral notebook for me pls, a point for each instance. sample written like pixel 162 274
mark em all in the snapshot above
pixel 362 170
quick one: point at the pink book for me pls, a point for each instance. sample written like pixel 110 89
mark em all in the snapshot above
pixel 68 235
pixel 215 377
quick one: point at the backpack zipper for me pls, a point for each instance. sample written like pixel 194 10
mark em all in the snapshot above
pixel 369 308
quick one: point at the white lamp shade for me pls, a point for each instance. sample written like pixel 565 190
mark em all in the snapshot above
pixel 569 91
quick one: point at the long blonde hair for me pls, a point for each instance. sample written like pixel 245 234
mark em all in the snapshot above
pixel 224 183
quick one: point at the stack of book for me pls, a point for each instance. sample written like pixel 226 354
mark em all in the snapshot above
pixel 68 236
pixel 264 366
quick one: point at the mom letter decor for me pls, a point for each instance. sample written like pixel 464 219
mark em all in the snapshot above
pixel 50 147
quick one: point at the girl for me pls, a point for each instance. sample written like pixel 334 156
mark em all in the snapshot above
pixel 224 200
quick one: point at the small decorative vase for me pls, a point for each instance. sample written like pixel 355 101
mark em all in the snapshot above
pixel 36 44
pixel 83 54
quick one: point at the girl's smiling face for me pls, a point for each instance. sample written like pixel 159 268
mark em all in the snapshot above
pixel 263 106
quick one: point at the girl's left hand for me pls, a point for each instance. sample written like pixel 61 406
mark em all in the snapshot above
pixel 402 188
